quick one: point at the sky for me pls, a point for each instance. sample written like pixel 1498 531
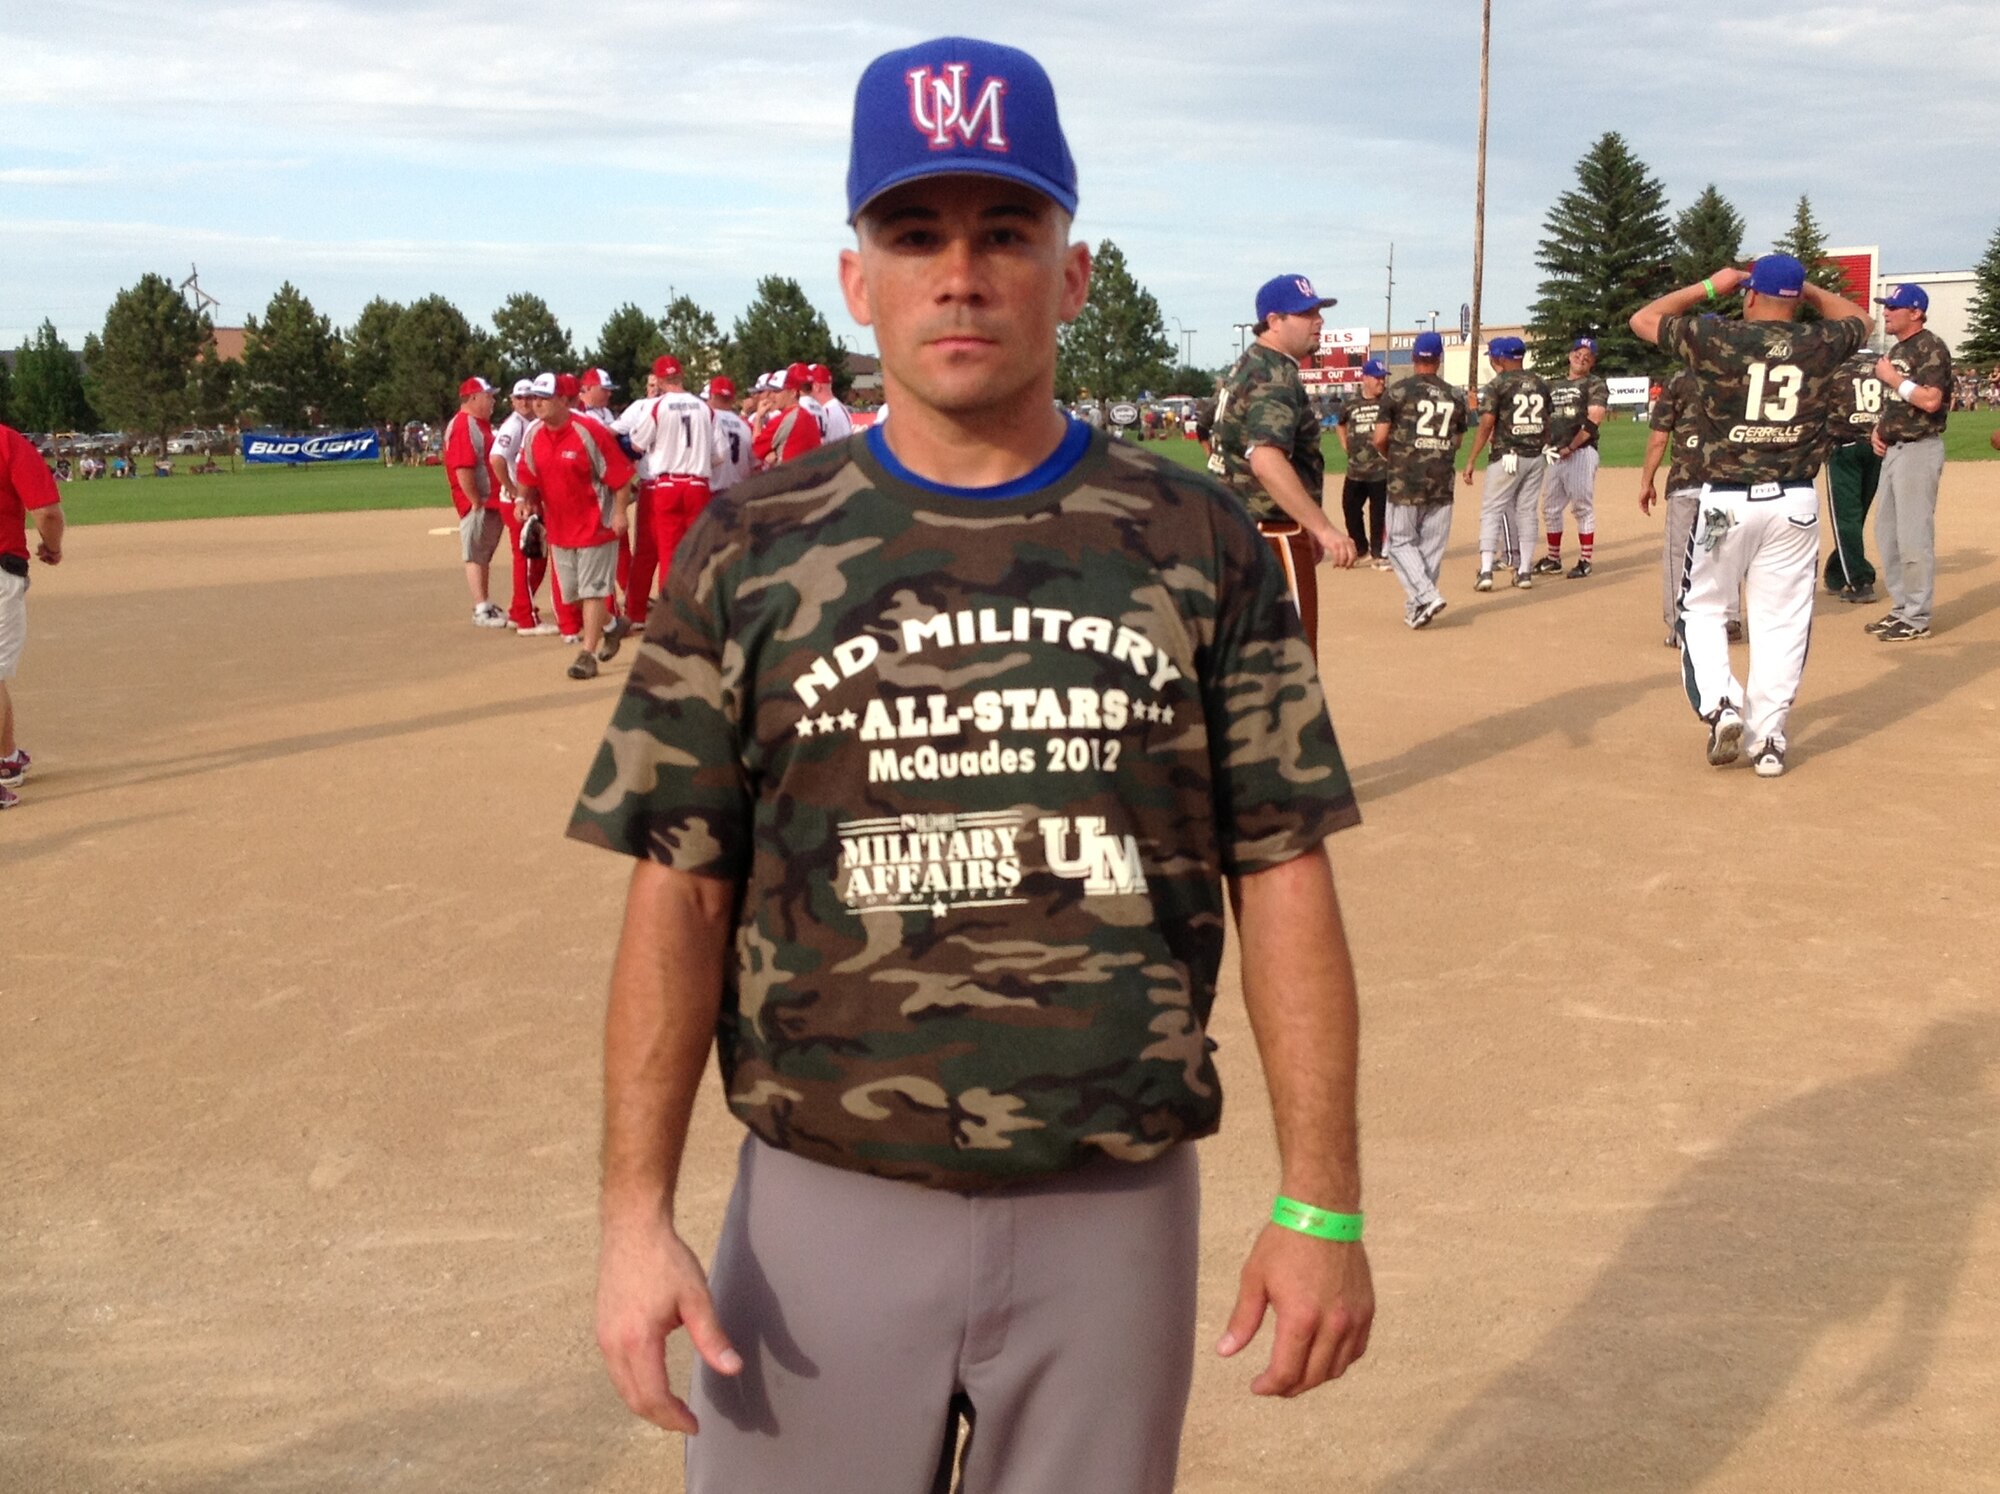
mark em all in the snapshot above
pixel 627 150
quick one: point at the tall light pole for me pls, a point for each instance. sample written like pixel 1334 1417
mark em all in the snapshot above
pixel 1389 308
pixel 1479 196
pixel 1241 340
pixel 1186 335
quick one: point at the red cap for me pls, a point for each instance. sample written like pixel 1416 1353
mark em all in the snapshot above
pixel 566 386
pixel 796 376
pixel 597 378
pixel 666 366
pixel 472 386
pixel 821 374
pixel 720 387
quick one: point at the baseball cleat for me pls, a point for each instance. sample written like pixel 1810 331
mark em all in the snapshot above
pixel 1381 562
pixel 8 798
pixel 14 769
pixel 1427 614
pixel 1548 565
pixel 1581 569
pixel 1902 631
pixel 1524 580
pixel 1725 736
pixel 584 666
pixel 1769 761
pixel 1484 581
pixel 486 615
pixel 539 630
pixel 1864 593
pixel 1882 624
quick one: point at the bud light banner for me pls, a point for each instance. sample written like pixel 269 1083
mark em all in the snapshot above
pixel 325 446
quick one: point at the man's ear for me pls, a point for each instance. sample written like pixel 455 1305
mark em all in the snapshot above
pixel 854 287
pixel 1076 281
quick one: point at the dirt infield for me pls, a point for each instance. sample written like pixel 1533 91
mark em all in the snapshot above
pixel 1681 1088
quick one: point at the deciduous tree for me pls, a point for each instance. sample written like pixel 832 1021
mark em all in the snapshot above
pixel 370 357
pixel 48 386
pixel 781 326
pixel 626 348
pixel 144 363
pixel 1117 347
pixel 432 349
pixel 692 335
pixel 292 363
pixel 527 340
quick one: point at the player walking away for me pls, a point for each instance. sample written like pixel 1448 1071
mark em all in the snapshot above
pixel 1853 471
pixel 468 440
pixel 576 476
pixel 27 488
pixel 734 459
pixel 835 424
pixel 1423 421
pixel 1577 406
pixel 1514 417
pixel 1364 491
pixel 1763 389
pixel 674 431
pixel 1916 374
pixel 790 431
pixel 898 710
pixel 1673 427
pixel 528 542
pixel 1266 443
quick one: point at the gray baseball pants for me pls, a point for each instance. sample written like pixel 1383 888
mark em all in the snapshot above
pixel 1572 483
pixel 1509 508
pixel 1417 536
pixel 1057 1316
pixel 1906 525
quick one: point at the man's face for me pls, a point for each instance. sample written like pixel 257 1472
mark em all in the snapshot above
pixel 1581 362
pixel 596 397
pixel 1901 321
pixel 552 410
pixel 1295 333
pixel 524 406
pixel 822 392
pixel 965 280
pixel 652 385
pixel 1371 387
pixel 481 405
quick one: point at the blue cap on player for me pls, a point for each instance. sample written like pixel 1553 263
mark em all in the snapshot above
pixel 1505 347
pixel 1288 295
pixel 1373 369
pixel 1778 275
pixel 1427 345
pixel 953 106
pixel 1583 344
pixel 1906 298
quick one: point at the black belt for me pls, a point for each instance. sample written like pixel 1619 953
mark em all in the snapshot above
pixel 1745 487
pixel 14 565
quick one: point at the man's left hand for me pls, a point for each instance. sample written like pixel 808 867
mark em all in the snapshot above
pixel 1888 373
pixel 1325 1304
pixel 1336 548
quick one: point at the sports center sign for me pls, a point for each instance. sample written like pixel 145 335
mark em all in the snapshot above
pixel 326 446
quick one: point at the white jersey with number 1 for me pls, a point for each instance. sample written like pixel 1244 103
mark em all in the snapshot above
pixel 674 433
pixel 733 459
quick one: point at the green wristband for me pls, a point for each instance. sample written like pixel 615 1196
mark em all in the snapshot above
pixel 1708 283
pixel 1321 1224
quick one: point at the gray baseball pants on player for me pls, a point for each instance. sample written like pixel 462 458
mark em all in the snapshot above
pixel 1572 483
pixel 1509 508
pixel 1417 536
pixel 1906 525
pixel 1061 1313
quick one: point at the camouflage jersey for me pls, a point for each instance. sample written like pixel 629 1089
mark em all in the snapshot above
pixel 1364 462
pixel 1518 401
pixel 1924 357
pixel 1858 398
pixel 1674 413
pixel 1427 419
pixel 1763 391
pixel 1570 402
pixel 978 767
pixel 1263 403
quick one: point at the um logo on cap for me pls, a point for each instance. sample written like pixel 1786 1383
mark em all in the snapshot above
pixel 1306 288
pixel 937 107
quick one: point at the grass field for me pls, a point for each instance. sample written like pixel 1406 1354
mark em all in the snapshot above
pixel 344 487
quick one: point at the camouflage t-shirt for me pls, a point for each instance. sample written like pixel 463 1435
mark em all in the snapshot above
pixel 1570 400
pixel 1427 419
pixel 1674 413
pixel 980 767
pixel 1518 401
pixel 1359 417
pixel 1858 400
pixel 1263 403
pixel 1763 391
pixel 1924 357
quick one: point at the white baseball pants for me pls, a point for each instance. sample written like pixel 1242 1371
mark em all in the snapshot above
pixel 1769 549
pixel 1572 483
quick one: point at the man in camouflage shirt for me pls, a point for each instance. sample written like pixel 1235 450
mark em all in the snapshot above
pixel 1514 416
pixel 1423 420
pixel 1763 389
pixel 1672 422
pixel 1577 406
pixel 1364 491
pixel 1266 442
pixel 1916 376
pixel 938 752
pixel 1853 472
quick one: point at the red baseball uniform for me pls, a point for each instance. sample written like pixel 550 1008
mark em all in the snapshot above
pixel 788 434
pixel 575 470
pixel 25 483
pixel 468 441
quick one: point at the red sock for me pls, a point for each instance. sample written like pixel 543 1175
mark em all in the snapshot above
pixel 1555 542
pixel 1586 543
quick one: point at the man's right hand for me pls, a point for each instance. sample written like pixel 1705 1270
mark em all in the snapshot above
pixel 1647 499
pixel 49 554
pixel 648 1284
pixel 1335 547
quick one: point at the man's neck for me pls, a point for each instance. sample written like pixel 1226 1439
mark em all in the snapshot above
pixel 981 450
pixel 1265 342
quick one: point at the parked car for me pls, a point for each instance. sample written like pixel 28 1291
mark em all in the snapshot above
pixel 187 442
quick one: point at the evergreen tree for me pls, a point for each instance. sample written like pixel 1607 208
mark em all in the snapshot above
pixel 693 336
pixel 1118 345
pixel 432 349
pixel 369 358
pixel 1981 348
pixel 6 395
pixel 780 326
pixel 1708 234
pixel 212 391
pixel 1607 250
pixel 1805 241
pixel 626 348
pixel 144 363
pixel 527 340
pixel 48 386
pixel 292 363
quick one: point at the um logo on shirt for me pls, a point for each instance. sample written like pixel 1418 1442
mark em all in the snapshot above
pixel 937 108
pixel 1107 865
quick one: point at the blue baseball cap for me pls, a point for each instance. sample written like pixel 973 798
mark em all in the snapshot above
pixel 1288 295
pixel 1583 343
pixel 954 106
pixel 1373 369
pixel 1906 298
pixel 1506 347
pixel 1778 275
pixel 1427 345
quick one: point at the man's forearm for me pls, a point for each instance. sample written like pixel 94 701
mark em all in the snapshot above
pixel 1646 320
pixel 1273 469
pixel 1656 448
pixel 503 480
pixel 666 989
pixel 1834 307
pixel 1298 986
pixel 1479 439
pixel 50 525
